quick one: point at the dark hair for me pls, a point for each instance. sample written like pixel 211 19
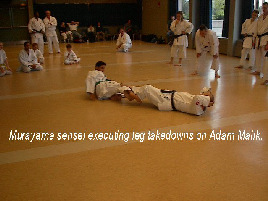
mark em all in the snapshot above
pixel 265 3
pixel 33 44
pixel 255 11
pixel 203 27
pixel 100 63
pixel 68 46
pixel 26 43
pixel 181 13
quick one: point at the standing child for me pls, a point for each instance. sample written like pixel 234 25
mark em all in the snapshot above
pixel 70 57
pixel 4 67
pixel 38 53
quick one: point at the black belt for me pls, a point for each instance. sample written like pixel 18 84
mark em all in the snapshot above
pixel 37 31
pixel 172 97
pixel 260 36
pixel 177 36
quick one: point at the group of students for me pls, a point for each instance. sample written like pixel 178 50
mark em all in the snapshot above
pixel 254 30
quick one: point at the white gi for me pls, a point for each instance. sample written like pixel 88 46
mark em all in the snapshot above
pixel 26 60
pixel 261 41
pixel 209 43
pixel 249 28
pixel 70 58
pixel 3 58
pixel 125 41
pixel 181 43
pixel 39 55
pixel 51 34
pixel 35 27
pixel 96 82
pixel 183 101
pixel 265 69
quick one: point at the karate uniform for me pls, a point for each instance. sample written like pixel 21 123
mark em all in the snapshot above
pixel 70 58
pixel 51 34
pixel 261 41
pixel 180 43
pixel 249 28
pixel 97 82
pixel 183 101
pixel 3 58
pixel 209 43
pixel 73 29
pixel 125 41
pixel 265 69
pixel 39 55
pixel 37 26
pixel 26 60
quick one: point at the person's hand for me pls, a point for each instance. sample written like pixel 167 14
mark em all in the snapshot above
pixel 183 32
pixel 42 32
pixel 33 66
pixel 215 56
pixel 198 55
pixel 266 46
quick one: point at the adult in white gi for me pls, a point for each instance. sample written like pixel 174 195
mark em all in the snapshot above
pixel 181 28
pixel 166 100
pixel 206 41
pixel 262 40
pixel 70 57
pixel 51 24
pixel 99 87
pixel 249 30
pixel 38 53
pixel 36 28
pixel 123 41
pixel 28 60
pixel 4 67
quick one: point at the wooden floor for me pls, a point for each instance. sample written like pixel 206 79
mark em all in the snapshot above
pixel 54 101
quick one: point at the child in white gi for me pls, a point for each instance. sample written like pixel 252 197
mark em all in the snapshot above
pixel 123 41
pixel 38 53
pixel 99 87
pixel 4 67
pixel 28 60
pixel 206 41
pixel 249 30
pixel 181 29
pixel 70 57
pixel 166 100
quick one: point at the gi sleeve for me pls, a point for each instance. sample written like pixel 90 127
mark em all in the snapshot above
pixel 214 41
pixel 189 27
pixel 23 60
pixel 90 83
pixel 244 31
pixel 173 26
pixel 30 26
pixel 201 100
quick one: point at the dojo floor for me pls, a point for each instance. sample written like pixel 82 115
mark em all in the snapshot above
pixel 54 101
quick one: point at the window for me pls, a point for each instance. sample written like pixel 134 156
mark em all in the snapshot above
pixel 218 16
pixel 183 5
pixel 258 4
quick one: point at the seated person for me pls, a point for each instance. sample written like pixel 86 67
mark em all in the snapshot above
pixel 73 28
pixel 70 57
pixel 28 60
pixel 38 53
pixel 64 33
pixel 100 32
pixel 166 100
pixel 123 41
pixel 99 87
pixel 91 34
pixel 4 67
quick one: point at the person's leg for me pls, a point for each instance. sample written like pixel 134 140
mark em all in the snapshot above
pixel 64 36
pixel 49 40
pixel 173 53
pixel 41 43
pixel 56 43
pixel 265 72
pixel 37 68
pixel 25 69
pixel 215 66
pixel 125 47
pixel 259 61
pixel 252 58
pixel 199 61
pixel 244 54
pixel 181 54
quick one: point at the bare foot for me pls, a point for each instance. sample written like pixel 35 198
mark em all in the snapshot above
pixel 239 66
